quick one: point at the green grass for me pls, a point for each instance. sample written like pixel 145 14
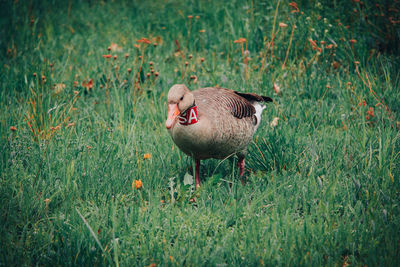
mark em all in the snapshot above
pixel 322 186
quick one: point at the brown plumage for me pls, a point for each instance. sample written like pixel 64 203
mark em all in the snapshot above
pixel 225 123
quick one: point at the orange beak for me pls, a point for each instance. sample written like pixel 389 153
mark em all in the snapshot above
pixel 173 111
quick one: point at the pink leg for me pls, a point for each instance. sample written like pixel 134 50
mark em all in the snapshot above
pixel 197 172
pixel 241 169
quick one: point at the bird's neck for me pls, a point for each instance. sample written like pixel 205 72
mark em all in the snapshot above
pixel 189 116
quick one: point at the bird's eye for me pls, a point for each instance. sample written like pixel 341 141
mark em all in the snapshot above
pixel 181 98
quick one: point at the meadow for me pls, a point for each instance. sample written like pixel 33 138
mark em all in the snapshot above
pixel 90 176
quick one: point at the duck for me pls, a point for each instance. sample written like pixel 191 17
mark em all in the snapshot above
pixel 213 122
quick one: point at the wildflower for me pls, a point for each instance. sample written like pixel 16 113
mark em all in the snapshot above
pixel 295 8
pixel 148 75
pixel 186 63
pixel 71 124
pixel 136 45
pixel 156 74
pixel 89 147
pixel 43 77
pixel 34 74
pixel 329 46
pixel 76 83
pixel 147 156
pixel 282 25
pixel 107 56
pixel 129 70
pixel 137 184
pixel 115 57
pixel 364 103
pixel 109 48
pixel 202 30
pixel 88 85
pixel 276 88
pixel 239 41
pixel 151 63
pixel 115 48
pixel 55 128
pixel 13 128
pixel 194 78
pixel 190 17
pixel 335 64
pixel 356 62
pixel 155 44
pixel 274 122
pixel 370 112
pixel 353 41
pixel 126 55
pixel 144 40
pixel 190 56
pixel 202 59
pixel 367 117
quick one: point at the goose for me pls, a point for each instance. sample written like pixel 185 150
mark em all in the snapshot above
pixel 213 122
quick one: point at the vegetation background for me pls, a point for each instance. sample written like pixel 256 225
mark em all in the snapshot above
pixel 89 175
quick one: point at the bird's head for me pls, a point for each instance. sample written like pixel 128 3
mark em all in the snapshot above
pixel 179 100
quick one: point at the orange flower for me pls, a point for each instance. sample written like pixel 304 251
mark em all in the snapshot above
pixel 276 88
pixel 147 156
pixel 353 41
pixel 314 45
pixel 239 41
pixel 88 85
pixel 136 45
pixel 370 112
pixel 190 17
pixel 13 128
pixel 107 56
pixel 144 40
pixel 282 25
pixel 137 184
pixel 294 5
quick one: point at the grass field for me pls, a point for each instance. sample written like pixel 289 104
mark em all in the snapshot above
pixel 90 176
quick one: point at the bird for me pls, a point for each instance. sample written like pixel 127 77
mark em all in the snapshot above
pixel 213 122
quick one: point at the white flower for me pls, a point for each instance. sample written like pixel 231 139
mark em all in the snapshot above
pixel 274 122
